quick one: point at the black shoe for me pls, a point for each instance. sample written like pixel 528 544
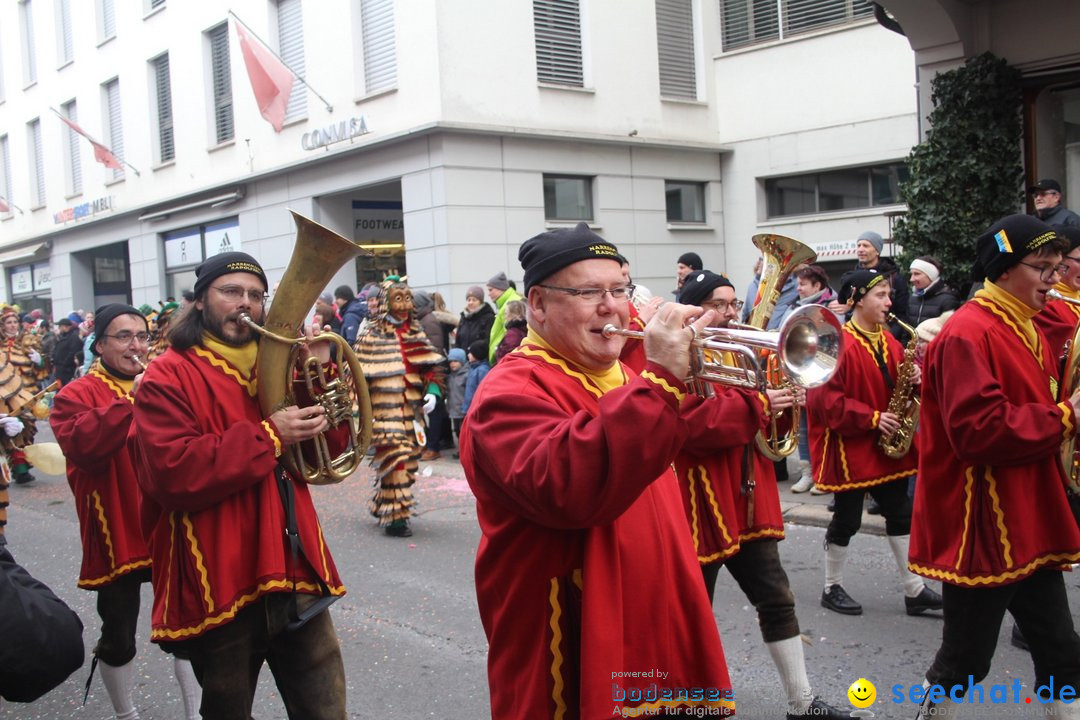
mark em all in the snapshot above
pixel 873 508
pixel 1018 640
pixel 925 600
pixel 837 600
pixel 399 530
pixel 21 478
pixel 821 709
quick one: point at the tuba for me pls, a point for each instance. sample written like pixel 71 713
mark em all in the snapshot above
pixel 782 255
pixel 317 256
pixel 1070 382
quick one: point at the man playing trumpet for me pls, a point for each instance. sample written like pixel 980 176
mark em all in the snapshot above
pixel 848 417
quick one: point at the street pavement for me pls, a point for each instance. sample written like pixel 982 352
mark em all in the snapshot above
pixel 411 636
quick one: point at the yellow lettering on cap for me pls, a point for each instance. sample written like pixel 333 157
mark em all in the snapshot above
pixel 603 250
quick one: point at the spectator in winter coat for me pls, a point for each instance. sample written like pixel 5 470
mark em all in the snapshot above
pixel 478 368
pixel 351 309
pixel 1046 196
pixel 476 319
pixel 516 328
pixel 455 389
pixel 930 297
pixel 500 292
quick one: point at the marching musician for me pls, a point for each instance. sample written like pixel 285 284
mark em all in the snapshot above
pixel 230 589
pixel 1059 318
pixel 91 417
pixel 733 505
pixel 992 519
pixel 848 416
pixel 585 567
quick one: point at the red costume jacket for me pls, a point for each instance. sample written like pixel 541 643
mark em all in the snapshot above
pixel 710 469
pixel 90 418
pixel 586 580
pixel 990 504
pixel 843 419
pixel 212 512
pixel 1058 321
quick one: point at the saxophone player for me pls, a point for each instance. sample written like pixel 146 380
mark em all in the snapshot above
pixel 991 517
pixel 847 419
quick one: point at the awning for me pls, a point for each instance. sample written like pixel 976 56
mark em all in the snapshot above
pixel 23 253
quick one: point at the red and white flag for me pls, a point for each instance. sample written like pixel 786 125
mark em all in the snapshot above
pixel 271 80
pixel 101 153
pixel 4 207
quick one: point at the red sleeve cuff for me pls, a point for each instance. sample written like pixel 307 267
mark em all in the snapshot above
pixel 671 388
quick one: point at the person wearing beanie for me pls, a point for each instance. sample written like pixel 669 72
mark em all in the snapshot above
pixel 455 390
pixel 735 523
pixel 1059 319
pixel 688 262
pixel 848 416
pixel 478 370
pixel 569 455
pixel 405 376
pixel 90 418
pixel 992 516
pixel 500 292
pixel 326 306
pixel 868 249
pixel 207 463
pixel 476 319
pixel 930 296
pixel 1046 198
pixel 352 311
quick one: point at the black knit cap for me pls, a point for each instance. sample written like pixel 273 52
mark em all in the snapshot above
pixel 223 264
pixel 1006 242
pixel 1070 233
pixel 692 260
pixel 699 285
pixel 854 285
pixel 105 315
pixel 543 255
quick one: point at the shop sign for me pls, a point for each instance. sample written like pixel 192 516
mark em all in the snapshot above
pixel 22 281
pixel 78 212
pixel 338 132
pixel 42 276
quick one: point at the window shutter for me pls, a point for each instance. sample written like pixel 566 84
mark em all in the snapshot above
pixel 67 43
pixel 675 45
pixel 167 150
pixel 114 118
pixel 291 48
pixel 222 81
pixel 38 163
pixel 557 25
pixel 29 52
pixel 380 57
pixel 745 22
pixel 108 19
pixel 5 168
pixel 74 155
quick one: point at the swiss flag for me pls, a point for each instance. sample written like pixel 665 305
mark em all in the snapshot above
pixel 271 81
pixel 101 153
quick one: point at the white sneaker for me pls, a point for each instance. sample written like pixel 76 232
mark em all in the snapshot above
pixel 818 491
pixel 805 483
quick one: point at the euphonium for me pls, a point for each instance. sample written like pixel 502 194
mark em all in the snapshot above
pixel 1070 381
pixel 781 256
pixel 318 254
pixel 903 402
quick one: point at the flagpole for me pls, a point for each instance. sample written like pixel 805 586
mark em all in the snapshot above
pixel 92 141
pixel 298 76
pixel 11 204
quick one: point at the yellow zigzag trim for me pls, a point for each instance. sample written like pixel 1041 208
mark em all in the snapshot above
pixel 1066 420
pixel 843 457
pixel 122 570
pixel 663 384
pixel 1055 558
pixel 111 384
pixel 203 578
pixel 168 575
pixel 163 634
pixel 588 384
pixel 968 484
pixel 734 549
pixel 712 502
pixel 694 524
pixel 869 483
pixel 104 525
pixel 273 436
pixel 226 368
pixel 1006 546
pixel 866 346
pixel 1036 350
pixel 556 653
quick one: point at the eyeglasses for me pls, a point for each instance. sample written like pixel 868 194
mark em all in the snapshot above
pixel 1046 272
pixel 722 305
pixel 1070 257
pixel 235 293
pixel 595 295
pixel 125 338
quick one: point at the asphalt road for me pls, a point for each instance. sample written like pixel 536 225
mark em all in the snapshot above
pixel 412 639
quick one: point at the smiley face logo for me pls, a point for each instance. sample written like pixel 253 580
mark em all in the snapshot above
pixel 862 693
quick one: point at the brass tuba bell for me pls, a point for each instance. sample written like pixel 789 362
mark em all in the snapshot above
pixel 318 254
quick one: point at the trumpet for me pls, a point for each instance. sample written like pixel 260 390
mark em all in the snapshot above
pixel 806 348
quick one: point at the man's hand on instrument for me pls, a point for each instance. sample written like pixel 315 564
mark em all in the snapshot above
pixel 668 337
pixel 135 384
pixel 321 349
pixel 888 423
pixel 916 376
pixel 647 312
pixel 785 398
pixel 295 424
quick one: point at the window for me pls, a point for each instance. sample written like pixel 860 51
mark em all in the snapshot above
pixel 37 163
pixel 291 48
pixel 221 83
pixel 114 135
pixel 5 170
pixel 73 156
pixel 675 46
pixel 65 43
pixel 567 198
pixel 163 99
pixel 834 190
pixel 685 201
pixel 106 20
pixel 745 22
pixel 557 25
pixel 380 59
pixel 29 54
pixel 154 5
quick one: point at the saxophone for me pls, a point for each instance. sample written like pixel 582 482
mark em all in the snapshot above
pixel 903 402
